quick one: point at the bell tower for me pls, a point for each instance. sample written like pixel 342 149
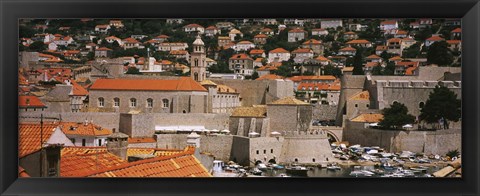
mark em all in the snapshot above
pixel 197 62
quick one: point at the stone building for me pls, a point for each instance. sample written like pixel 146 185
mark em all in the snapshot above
pixel 241 63
pixel 180 95
pixel 315 45
pixel 289 116
pixel 297 34
pixel 197 62
pixel 221 98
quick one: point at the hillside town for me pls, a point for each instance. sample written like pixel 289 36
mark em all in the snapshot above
pixel 239 97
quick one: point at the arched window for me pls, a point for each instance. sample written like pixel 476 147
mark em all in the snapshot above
pixel 196 62
pixel 116 102
pixel 149 103
pixel 421 105
pixel 133 102
pixel 313 160
pixel 394 102
pixel 101 102
pixel 356 105
pixel 195 75
pixel 165 103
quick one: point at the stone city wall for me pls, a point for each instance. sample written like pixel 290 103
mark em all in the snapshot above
pixel 428 142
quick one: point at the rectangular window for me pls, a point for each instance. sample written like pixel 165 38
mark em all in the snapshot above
pixel 257 151
pixel 264 151
pixel 100 142
pixel 84 142
pixel 271 150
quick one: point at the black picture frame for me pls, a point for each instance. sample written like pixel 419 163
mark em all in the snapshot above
pixel 11 11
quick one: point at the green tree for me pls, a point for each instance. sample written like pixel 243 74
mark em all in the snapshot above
pixel 358 62
pixel 331 70
pixel 443 104
pixel 220 67
pixel 37 46
pixel 438 53
pixel 389 69
pixel 412 51
pixel 133 70
pixel 396 116
pixel 255 75
pixel 377 70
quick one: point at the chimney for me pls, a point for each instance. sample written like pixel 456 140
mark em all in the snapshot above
pixel 193 139
pixel 117 144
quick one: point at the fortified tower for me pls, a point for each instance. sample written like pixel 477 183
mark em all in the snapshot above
pixel 197 62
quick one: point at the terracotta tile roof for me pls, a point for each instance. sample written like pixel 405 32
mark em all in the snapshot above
pixel 388 22
pixel 359 41
pixel 223 37
pixel 297 30
pixel 180 84
pixel 178 165
pixel 266 30
pixel 435 38
pixel 279 50
pixel 364 95
pixel 85 129
pixel 288 101
pixel 268 68
pixel 394 40
pixel 102 26
pixel 350 33
pixel 78 90
pixel 208 82
pixel 22 80
pixel 402 32
pixel 22 173
pixel 240 56
pixel 225 89
pixel 211 28
pixel 192 25
pixel 381 48
pixel 130 41
pixel 409 71
pixel 348 49
pixel 103 49
pixel 178 52
pixel 253 112
pixel 77 161
pixel 162 36
pixel 371 64
pixel 407 64
pixel 137 140
pixel 245 42
pixel 322 58
pixel 319 86
pixel 312 42
pixel 112 38
pixel 25 101
pixel 29 137
pixel 269 77
pixel 373 56
pixel 454 41
pixel 260 36
pixel 302 50
pixel 256 52
pixel 368 118
pixel 395 58
pixel 457 30
pixel 320 29
pixel 301 78
pixel 166 62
